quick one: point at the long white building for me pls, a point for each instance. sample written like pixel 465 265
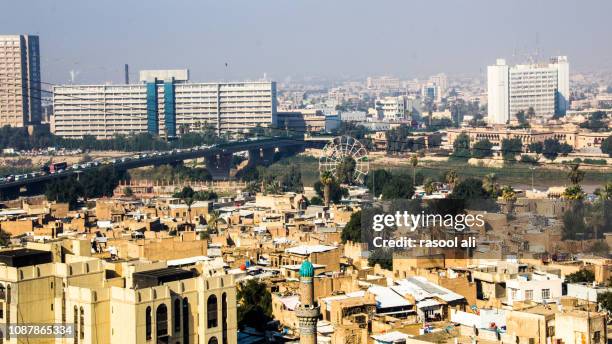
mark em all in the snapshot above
pixel 543 87
pixel 162 104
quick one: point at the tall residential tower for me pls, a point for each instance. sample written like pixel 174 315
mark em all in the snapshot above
pixel 543 87
pixel 20 103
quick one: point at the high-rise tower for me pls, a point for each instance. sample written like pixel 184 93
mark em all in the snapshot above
pixel 20 98
pixel 307 311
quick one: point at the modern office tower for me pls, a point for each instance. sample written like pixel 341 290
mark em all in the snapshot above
pixel 497 92
pixel 431 91
pixel 164 103
pixel 441 80
pixel 543 87
pixel 20 103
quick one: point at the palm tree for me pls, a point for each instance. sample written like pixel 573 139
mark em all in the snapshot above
pixel 509 196
pixel 327 179
pixel 451 178
pixel 573 193
pixel 575 176
pixel 605 194
pixel 414 161
pixel 489 183
pixel 214 218
pixel 189 201
pixel 429 186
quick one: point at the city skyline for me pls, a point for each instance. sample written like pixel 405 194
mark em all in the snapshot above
pixel 280 40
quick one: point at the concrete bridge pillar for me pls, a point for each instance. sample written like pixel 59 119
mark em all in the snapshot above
pixel 267 155
pixel 219 165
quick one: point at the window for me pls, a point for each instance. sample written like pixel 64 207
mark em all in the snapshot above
pixel 186 321
pixel 148 323
pixel 545 294
pixel 82 324
pixel 76 323
pixel 161 320
pixel 211 308
pixel 213 340
pixel 177 315
pixel 528 294
pixel 596 337
pixel 224 317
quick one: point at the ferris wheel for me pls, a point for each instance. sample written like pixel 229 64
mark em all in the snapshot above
pixel 338 150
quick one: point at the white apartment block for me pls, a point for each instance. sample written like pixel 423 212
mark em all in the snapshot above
pixel 161 107
pixel 383 83
pixel 392 108
pixel 538 287
pixel 543 87
pixel 20 99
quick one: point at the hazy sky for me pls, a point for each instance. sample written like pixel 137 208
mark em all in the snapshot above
pixel 329 38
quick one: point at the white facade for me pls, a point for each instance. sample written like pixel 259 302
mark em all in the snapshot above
pixel 543 87
pixel 536 287
pixel 106 110
pixel 393 108
pixel 497 90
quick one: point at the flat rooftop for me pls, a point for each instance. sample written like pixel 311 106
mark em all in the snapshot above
pixel 24 257
pixel 150 278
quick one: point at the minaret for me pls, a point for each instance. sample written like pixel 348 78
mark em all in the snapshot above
pixel 307 311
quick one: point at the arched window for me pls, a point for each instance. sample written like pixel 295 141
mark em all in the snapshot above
pixel 211 309
pixel 177 315
pixel 148 323
pixel 186 333
pixel 76 323
pixel 82 324
pixel 161 320
pixel 224 317
pixel 213 340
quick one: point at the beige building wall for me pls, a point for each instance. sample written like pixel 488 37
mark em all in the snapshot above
pixel 20 103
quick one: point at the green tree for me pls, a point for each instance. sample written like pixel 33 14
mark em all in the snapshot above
pixel 383 257
pixel 510 148
pixel 490 184
pixel 573 193
pixel 574 226
pixel 461 146
pixel 470 188
pixel 580 276
pixel 399 187
pixel 451 178
pixel 414 161
pixel 213 221
pixel 345 170
pixel 482 149
pixel 352 230
pixel 575 175
pixel 604 300
pixel 536 147
pixel 254 304
pixel 376 180
pixel 336 191
pixel 5 238
pixel 316 200
pixel 606 146
pixel 327 179
pixel 551 149
pixel 128 191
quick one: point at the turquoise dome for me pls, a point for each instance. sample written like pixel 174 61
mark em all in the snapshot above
pixel 307 270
